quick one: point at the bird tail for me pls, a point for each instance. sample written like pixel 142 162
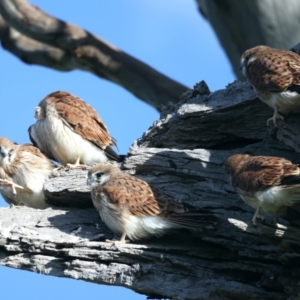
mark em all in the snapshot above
pixel 196 219
pixel 111 154
pixel 291 193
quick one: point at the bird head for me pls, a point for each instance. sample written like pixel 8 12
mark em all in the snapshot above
pixel 39 113
pixel 6 150
pixel 100 174
pixel 235 163
pixel 249 56
pixel 246 59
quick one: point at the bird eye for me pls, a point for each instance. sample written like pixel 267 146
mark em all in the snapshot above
pixel 248 57
pixel 98 175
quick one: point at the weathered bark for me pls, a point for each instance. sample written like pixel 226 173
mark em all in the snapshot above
pixel 181 154
pixel 37 38
pixel 240 25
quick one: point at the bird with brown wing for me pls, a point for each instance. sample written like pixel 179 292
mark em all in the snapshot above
pixel 71 132
pixel 265 183
pixel 275 76
pixel 23 172
pixel 131 207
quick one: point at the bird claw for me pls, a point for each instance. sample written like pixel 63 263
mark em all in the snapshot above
pixel 68 167
pixel 117 242
pixel 75 166
pixel 274 119
pixel 14 186
pixel 257 216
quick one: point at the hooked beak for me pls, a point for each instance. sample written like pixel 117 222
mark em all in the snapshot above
pixel 3 153
pixel 89 181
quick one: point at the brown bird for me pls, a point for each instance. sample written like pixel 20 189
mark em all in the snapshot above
pixel 275 76
pixel 23 172
pixel 70 131
pixel 131 207
pixel 265 183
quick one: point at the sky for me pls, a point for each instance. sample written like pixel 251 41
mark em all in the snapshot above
pixel 169 35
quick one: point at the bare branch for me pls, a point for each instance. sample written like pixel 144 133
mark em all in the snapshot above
pixel 33 52
pixel 75 48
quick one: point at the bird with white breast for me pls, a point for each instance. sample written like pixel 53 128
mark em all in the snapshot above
pixel 70 131
pixel 275 77
pixel 23 172
pixel 131 207
pixel 266 183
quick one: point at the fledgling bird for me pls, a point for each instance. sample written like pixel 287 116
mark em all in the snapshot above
pixel 265 183
pixel 23 172
pixel 131 207
pixel 71 132
pixel 275 76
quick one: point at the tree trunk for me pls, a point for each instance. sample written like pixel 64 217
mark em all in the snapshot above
pixel 181 154
pixel 244 24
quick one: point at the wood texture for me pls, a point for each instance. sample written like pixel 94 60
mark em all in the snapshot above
pixel 241 25
pixel 237 261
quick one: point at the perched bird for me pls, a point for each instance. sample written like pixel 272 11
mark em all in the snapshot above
pixel 265 183
pixel 131 207
pixel 275 76
pixel 23 172
pixel 70 131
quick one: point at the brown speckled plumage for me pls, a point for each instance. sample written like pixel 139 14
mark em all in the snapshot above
pixel 126 197
pixel 68 128
pixel 80 116
pixel 253 177
pixel 274 74
pixel 24 170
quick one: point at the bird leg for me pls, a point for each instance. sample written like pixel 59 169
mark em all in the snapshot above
pixel 275 117
pixel 76 165
pixel 121 241
pixel 257 215
pixel 70 166
pixel 275 220
pixel 13 185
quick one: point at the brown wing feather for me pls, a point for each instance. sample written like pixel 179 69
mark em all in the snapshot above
pixel 141 199
pixel 271 71
pixel 260 172
pixel 31 148
pixel 82 118
pixel 134 194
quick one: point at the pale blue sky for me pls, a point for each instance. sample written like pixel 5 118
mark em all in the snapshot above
pixel 169 35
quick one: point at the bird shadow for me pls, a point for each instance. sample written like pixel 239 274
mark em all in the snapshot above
pixel 82 223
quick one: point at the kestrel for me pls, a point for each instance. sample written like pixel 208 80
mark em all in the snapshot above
pixel 265 183
pixel 131 207
pixel 23 172
pixel 71 132
pixel 275 76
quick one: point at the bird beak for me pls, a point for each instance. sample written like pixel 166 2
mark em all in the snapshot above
pixel 89 181
pixel 3 153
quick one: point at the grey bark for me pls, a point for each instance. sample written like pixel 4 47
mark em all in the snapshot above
pixel 240 25
pixel 37 38
pixel 181 154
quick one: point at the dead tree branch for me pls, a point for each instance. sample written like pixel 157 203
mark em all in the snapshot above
pixel 37 38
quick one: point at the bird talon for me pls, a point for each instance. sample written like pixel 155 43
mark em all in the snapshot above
pixel 117 242
pixel 75 166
